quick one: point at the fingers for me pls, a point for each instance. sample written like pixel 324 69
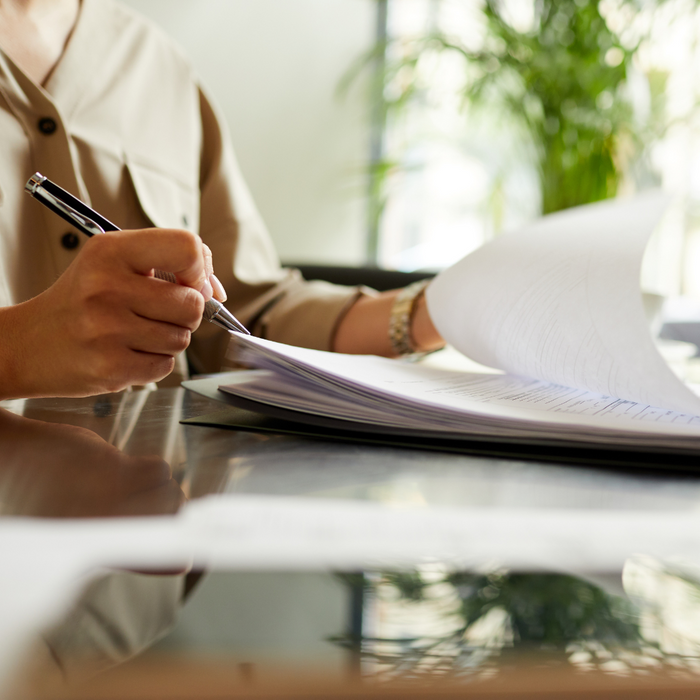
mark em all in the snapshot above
pixel 219 291
pixel 125 348
pixel 157 338
pixel 122 304
pixel 156 300
pixel 208 262
pixel 107 323
pixel 217 288
pixel 179 252
pixel 207 290
pixel 121 369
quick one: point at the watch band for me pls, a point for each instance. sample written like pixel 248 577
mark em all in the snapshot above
pixel 401 315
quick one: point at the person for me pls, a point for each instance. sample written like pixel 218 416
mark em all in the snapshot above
pixel 100 101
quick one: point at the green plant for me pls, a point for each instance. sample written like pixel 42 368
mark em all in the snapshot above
pixel 563 80
pixel 561 83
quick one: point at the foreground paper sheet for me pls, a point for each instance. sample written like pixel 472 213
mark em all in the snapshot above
pixel 310 533
pixel 560 301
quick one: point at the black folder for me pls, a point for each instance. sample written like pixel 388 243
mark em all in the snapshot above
pixel 247 415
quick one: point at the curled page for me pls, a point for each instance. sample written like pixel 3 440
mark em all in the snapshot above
pixel 560 301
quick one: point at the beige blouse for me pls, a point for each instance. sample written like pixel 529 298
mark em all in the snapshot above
pixel 123 123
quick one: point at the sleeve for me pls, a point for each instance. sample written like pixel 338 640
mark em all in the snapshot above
pixel 273 302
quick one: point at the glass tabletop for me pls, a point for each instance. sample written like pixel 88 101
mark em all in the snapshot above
pixel 119 460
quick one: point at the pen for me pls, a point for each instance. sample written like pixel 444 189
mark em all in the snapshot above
pixel 91 223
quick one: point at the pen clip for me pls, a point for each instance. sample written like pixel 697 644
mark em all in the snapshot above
pixel 58 202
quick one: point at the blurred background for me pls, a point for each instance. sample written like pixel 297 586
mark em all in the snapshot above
pixel 497 111
pixel 405 133
pixel 274 68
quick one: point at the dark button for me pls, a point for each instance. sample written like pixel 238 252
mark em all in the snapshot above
pixel 47 125
pixel 69 241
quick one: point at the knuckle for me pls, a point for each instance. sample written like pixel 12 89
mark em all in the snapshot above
pixel 192 307
pixel 190 243
pixel 161 368
pixel 145 368
pixel 113 385
pixel 182 338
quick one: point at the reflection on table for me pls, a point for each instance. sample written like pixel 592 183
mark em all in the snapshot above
pixel 203 616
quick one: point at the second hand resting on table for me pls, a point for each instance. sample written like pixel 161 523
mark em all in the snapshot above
pixel 107 323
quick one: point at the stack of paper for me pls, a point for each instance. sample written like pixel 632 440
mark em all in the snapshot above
pixel 556 308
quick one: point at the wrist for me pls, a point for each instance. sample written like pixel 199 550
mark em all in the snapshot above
pixel 423 333
pixel 410 327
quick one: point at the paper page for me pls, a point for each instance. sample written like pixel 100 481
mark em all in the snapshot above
pixel 493 404
pixel 560 301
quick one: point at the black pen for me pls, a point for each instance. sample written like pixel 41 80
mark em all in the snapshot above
pixel 91 223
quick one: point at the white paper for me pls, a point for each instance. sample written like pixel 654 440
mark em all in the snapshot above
pixel 557 307
pixel 377 390
pixel 560 301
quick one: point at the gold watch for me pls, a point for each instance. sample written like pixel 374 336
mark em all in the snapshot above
pixel 401 316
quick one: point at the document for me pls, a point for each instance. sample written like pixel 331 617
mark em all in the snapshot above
pixel 560 300
pixel 555 308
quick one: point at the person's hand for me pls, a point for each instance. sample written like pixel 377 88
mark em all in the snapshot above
pixel 107 322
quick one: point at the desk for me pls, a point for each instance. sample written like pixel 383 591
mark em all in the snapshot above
pixel 367 567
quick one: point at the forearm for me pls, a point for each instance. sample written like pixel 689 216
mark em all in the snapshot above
pixel 364 329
